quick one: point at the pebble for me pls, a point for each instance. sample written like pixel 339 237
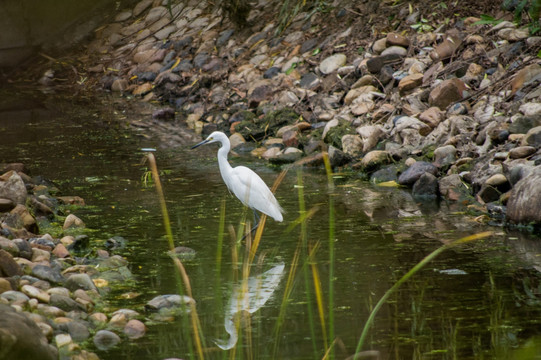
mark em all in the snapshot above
pixel 332 63
pixel 395 50
pixel 374 160
pixel 446 93
pixel 105 340
pixel 73 221
pixel 134 329
pixel 415 171
pixel 522 152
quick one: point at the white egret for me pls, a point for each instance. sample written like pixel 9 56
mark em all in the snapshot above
pixel 247 186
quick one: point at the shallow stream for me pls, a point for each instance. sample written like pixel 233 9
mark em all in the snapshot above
pixel 477 301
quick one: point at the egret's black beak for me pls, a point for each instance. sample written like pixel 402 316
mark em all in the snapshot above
pixel 201 143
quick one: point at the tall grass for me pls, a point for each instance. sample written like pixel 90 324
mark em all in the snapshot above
pixel 318 292
pixel 196 328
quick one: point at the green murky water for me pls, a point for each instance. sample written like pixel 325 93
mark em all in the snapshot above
pixel 478 301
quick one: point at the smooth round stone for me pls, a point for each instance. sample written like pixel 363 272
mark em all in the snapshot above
pixel 135 329
pixel 496 180
pixel 168 302
pixel 332 63
pixel 62 340
pixel 118 321
pixel 80 281
pixel 98 318
pixel 521 152
pixel 77 329
pixel 13 296
pixel 105 340
pixel 130 314
pixel 36 293
pixel 50 311
pixel 415 171
pixel 395 50
pixel 59 291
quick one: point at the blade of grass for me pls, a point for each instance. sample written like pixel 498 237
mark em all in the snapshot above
pixel 169 234
pixel 408 275
pixel 304 237
pixel 285 299
pixel 318 294
pixel 330 184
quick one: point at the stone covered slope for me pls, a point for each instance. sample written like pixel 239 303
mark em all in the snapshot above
pixel 458 107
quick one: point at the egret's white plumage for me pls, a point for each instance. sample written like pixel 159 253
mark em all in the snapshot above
pixel 247 186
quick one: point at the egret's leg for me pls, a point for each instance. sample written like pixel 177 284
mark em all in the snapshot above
pixel 256 222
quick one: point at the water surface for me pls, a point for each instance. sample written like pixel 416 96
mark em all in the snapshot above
pixel 478 301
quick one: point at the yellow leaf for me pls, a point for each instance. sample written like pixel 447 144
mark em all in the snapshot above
pixel 389 184
pixel 175 64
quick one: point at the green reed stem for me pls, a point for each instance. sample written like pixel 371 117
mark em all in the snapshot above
pixel 408 275
pixel 179 266
pixel 306 272
pixel 330 184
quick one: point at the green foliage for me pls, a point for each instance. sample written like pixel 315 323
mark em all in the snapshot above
pixel 532 8
pixel 422 26
pixel 487 20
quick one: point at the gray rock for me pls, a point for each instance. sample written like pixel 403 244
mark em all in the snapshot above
pixel 337 157
pixel 48 274
pixel 12 187
pixel 426 187
pixel 200 59
pixel 309 81
pixel 9 246
pixel 524 204
pixel 14 297
pixel 489 193
pixel 375 64
pixel 415 171
pixel 515 172
pixel 80 281
pixel 21 338
pixel 388 173
pixel 531 108
pixel 141 6
pixel 352 145
pixel 373 160
pixel 379 45
pixel 332 63
pixel 170 303
pixel 309 45
pixel 395 50
pixel 77 329
pixel 371 136
pixel 533 137
pixel 65 303
pixel 444 155
pixel 224 37
pixel 272 72
pixel 521 124
pixel 105 340
pixel 452 188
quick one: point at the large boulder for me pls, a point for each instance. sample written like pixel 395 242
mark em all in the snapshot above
pixel 21 338
pixel 524 205
pixel 12 187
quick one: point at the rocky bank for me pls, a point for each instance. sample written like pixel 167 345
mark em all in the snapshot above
pixel 53 287
pixel 451 110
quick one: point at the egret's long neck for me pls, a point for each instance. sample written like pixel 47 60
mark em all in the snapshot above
pixel 225 167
